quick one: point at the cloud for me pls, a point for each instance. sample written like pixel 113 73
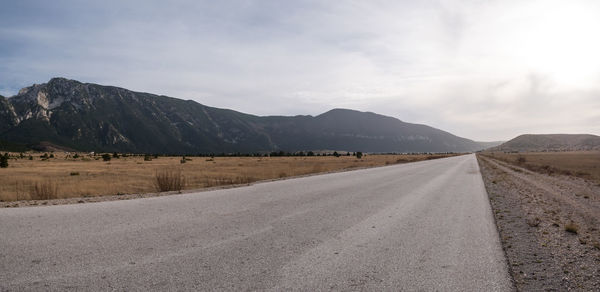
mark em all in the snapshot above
pixel 484 70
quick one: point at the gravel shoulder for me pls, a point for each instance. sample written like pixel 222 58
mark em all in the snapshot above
pixel 548 226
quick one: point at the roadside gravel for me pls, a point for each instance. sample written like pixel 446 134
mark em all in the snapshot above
pixel 549 226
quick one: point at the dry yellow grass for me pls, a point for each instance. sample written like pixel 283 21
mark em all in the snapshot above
pixel 585 164
pixel 128 175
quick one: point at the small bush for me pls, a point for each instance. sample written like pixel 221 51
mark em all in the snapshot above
pixel 115 155
pixel 169 180
pixel 44 190
pixel 147 158
pixel 106 157
pixel 521 160
pixel 359 155
pixel 74 173
pixel 183 160
pixel 571 227
pixel 76 156
pixel 4 160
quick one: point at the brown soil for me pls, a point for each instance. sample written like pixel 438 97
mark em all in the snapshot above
pixel 548 224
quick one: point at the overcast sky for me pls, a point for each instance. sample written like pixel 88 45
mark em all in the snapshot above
pixel 484 70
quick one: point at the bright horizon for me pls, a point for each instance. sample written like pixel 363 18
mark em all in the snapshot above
pixel 484 71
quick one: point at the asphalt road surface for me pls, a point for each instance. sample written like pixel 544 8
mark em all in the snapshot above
pixel 418 226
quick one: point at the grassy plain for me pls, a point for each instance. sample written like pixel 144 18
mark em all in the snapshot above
pixel 584 164
pixel 66 177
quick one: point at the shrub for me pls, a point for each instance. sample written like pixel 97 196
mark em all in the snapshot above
pixel 147 157
pixel 106 157
pixel 521 160
pixel 182 159
pixel 359 155
pixel 115 155
pixel 571 227
pixel 169 180
pixel 4 160
pixel 44 190
pixel 74 173
pixel 76 156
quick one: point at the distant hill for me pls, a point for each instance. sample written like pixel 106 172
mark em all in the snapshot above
pixel 90 117
pixel 551 142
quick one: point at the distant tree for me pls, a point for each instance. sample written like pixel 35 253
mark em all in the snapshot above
pixel 359 155
pixel 21 155
pixel 4 160
pixel 182 159
pixel 51 155
pixel 310 153
pixel 30 157
pixel 147 157
pixel 76 156
pixel 45 156
pixel 115 155
pixel 336 154
pixel 347 153
pixel 106 157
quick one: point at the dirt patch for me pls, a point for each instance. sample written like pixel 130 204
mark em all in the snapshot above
pixel 548 226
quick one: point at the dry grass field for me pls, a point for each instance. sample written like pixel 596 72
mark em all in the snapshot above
pixel 584 164
pixel 87 176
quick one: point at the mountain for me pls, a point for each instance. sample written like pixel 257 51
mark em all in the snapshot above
pixel 551 142
pixel 90 117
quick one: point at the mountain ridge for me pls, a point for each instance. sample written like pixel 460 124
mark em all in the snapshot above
pixel 92 117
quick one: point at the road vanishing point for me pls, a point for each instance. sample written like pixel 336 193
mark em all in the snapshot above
pixel 424 226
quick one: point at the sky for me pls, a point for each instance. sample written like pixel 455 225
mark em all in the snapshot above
pixel 486 70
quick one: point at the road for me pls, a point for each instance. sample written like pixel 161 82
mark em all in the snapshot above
pixel 417 226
